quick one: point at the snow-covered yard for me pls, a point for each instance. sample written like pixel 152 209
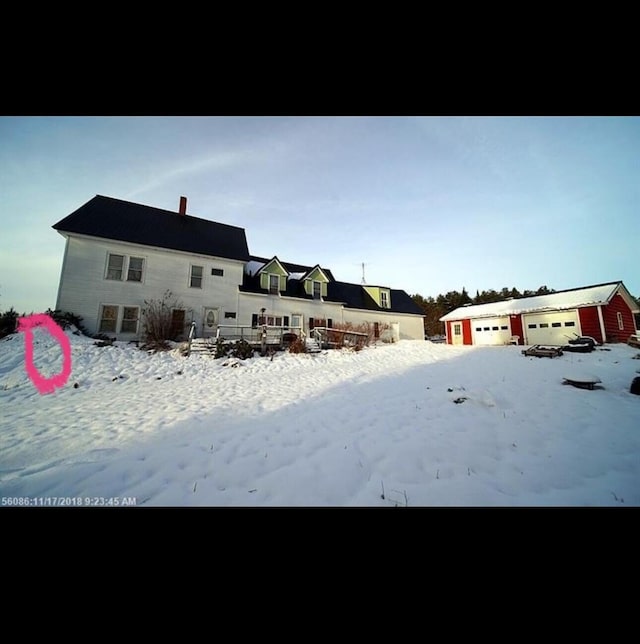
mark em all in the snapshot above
pixel 373 428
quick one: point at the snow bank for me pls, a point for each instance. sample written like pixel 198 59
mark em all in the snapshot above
pixel 335 428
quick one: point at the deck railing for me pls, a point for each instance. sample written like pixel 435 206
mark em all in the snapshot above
pixel 330 338
pixel 272 335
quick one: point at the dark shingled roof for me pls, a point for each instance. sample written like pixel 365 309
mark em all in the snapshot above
pixel 131 222
pixel 355 297
pixel 352 295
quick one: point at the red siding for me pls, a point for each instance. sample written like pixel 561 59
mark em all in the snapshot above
pixel 516 327
pixel 589 322
pixel 466 332
pixel 610 314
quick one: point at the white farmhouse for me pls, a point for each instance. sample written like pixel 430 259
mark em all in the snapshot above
pixel 120 254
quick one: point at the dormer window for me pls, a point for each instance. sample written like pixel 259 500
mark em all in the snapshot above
pixel 384 299
pixel 317 290
pixel 274 284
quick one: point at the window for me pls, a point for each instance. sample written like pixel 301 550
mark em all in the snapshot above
pixel 117 267
pixel 531 326
pixel 569 323
pixel 114 267
pixel 544 325
pixel 274 284
pixel 504 328
pixel 134 274
pixel 108 319
pixel 229 315
pixel 384 299
pixel 129 320
pixel 218 272
pixel 620 321
pixel 196 277
pixel 486 328
pixel 555 325
pixel 478 328
pixel 495 328
pixel 273 320
pixel 457 329
pixel 296 321
pixel 317 290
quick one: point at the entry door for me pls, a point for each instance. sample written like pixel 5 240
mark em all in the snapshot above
pixel 177 323
pixel 456 332
pixel 210 323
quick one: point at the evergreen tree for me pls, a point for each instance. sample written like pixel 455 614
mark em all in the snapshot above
pixel 433 311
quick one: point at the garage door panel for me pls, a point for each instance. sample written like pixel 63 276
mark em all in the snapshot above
pixel 491 331
pixel 551 328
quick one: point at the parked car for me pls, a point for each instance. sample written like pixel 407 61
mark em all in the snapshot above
pixel 436 338
pixel 634 340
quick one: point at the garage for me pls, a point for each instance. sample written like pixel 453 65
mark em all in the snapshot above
pixel 551 328
pixel 488 331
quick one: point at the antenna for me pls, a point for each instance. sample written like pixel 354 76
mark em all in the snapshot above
pixel 363 280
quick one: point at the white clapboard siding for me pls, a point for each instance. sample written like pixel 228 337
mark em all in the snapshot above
pixel 411 327
pixel 83 287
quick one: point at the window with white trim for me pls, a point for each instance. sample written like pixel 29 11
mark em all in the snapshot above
pixel 108 319
pixel 457 329
pixel 274 320
pixel 274 284
pixel 115 267
pixel 119 266
pixel 384 299
pixel 317 290
pixel 296 321
pixel 130 318
pixel 620 321
pixel 134 273
pixel 195 280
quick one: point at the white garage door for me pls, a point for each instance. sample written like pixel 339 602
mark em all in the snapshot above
pixel 550 328
pixel 491 331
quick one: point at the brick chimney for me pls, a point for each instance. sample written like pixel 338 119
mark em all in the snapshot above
pixel 183 206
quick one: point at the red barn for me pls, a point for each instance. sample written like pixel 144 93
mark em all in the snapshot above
pixel 603 311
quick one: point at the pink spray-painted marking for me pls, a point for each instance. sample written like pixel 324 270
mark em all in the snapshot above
pixel 45 385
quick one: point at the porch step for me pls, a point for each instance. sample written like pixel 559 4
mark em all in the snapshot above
pixel 312 346
pixel 202 346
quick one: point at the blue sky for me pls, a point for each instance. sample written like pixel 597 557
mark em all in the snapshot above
pixel 429 204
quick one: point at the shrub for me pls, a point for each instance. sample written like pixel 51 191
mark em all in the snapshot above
pixel 221 348
pixel 242 349
pixel 157 322
pixel 8 322
pixel 297 346
pixel 65 319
